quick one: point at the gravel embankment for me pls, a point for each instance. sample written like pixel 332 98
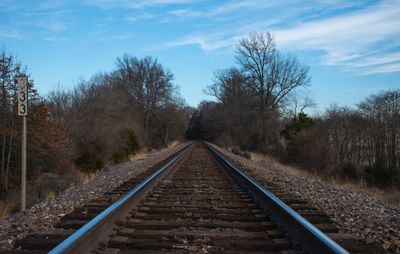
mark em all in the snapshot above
pixel 44 215
pixel 356 213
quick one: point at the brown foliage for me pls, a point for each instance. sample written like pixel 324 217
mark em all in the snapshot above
pixel 49 147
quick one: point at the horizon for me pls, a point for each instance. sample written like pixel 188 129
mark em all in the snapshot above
pixel 350 47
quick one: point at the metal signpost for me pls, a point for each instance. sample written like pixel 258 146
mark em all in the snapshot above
pixel 22 111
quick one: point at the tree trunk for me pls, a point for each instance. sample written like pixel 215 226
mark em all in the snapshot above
pixel 264 136
pixel 8 164
pixel 166 135
pixel 3 160
pixel 147 125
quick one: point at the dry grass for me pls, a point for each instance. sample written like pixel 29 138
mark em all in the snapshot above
pixel 173 144
pixel 141 155
pixel 391 196
pixel 84 177
pixel 5 208
pixel 144 152
pixel 275 165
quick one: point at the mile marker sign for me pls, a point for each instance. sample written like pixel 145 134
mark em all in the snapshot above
pixel 22 96
pixel 23 111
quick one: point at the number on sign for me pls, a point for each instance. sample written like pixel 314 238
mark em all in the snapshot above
pixel 22 96
pixel 22 110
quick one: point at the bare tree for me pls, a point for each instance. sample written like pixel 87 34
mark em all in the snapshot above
pixel 236 106
pixel 269 74
pixel 229 86
pixel 296 103
pixel 383 114
pixel 9 71
pixel 147 82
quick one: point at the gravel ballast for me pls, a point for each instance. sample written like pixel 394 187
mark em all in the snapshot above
pixel 47 213
pixel 357 213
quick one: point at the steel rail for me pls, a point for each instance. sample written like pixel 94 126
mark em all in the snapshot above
pixel 310 237
pixel 74 241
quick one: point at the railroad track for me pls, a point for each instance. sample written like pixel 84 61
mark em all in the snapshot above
pixel 196 203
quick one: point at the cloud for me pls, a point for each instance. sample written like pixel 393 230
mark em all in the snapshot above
pixel 222 9
pixel 54 26
pixel 206 42
pixel 119 37
pixel 44 23
pixel 357 40
pixel 226 35
pixel 13 34
pixel 56 39
pixel 134 4
pixel 386 68
pixel 103 36
pixel 366 27
pixel 50 5
pixel 140 16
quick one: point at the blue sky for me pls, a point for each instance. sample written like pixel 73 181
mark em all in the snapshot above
pixel 352 47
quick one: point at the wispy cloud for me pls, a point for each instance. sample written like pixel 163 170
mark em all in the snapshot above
pixel 103 36
pixel 358 39
pixel 47 17
pixel 376 59
pixel 13 34
pixel 134 4
pixel 56 39
pixel 207 42
pixel 9 6
pixel 351 40
pixel 50 5
pixel 54 26
pixel 237 18
pixel 139 16
pixel 386 68
pixel 227 35
pixel 221 9
pixel 119 37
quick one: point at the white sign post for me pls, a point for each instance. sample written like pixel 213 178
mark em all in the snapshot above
pixel 23 111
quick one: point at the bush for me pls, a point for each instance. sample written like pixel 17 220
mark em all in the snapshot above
pixel 131 146
pixel 89 160
pixel 240 153
pixel 348 171
pixel 120 155
pixel 131 140
pixel 381 176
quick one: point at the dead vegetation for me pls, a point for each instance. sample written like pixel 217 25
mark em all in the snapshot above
pixel 390 196
pixel 261 106
pixel 111 118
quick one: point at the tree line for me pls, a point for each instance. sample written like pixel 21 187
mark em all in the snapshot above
pixel 354 143
pixel 261 105
pixel 100 121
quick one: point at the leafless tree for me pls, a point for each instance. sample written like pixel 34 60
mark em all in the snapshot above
pixel 9 71
pixel 296 102
pixel 229 87
pixel 383 114
pixel 237 108
pixel 270 75
pixel 147 82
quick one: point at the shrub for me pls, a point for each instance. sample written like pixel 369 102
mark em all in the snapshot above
pixel 89 160
pixel 131 146
pixel 131 140
pixel 348 171
pixel 120 155
pixel 380 175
